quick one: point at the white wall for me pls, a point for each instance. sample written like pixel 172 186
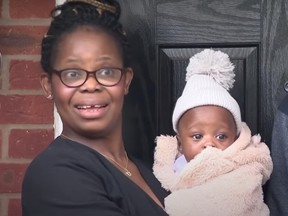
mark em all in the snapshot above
pixel 59 2
pixel 57 121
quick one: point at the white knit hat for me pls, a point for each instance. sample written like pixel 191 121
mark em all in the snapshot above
pixel 210 75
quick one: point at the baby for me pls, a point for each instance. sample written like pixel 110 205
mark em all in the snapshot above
pixel 224 166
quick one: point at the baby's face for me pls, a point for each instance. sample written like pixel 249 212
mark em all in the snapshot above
pixel 205 126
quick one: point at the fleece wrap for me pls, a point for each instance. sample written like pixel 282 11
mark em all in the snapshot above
pixel 216 182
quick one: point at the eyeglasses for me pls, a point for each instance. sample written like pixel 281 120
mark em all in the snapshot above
pixel 74 77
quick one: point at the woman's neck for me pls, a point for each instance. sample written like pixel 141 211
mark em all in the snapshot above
pixel 111 145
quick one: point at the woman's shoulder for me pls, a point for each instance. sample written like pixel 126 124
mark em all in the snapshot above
pixel 64 150
pixel 64 158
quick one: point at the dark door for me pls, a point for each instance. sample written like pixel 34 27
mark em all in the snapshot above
pixel 164 34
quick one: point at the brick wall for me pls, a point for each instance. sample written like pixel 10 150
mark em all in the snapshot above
pixel 26 116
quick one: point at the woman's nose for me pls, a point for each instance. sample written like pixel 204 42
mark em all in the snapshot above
pixel 91 84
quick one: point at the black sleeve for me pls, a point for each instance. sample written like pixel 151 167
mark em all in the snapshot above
pixel 70 179
pixel 67 189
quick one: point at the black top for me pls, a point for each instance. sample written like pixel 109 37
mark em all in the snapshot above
pixel 71 179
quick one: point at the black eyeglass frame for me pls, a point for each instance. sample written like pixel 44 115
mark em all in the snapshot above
pixel 88 73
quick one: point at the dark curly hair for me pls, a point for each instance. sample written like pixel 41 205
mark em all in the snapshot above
pixel 71 15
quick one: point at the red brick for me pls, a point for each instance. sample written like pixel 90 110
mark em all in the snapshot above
pixel 1 141
pixel 1 65
pixel 1 3
pixel 25 109
pixel 28 143
pixel 21 39
pixel 11 176
pixel 31 8
pixel 14 207
pixel 25 75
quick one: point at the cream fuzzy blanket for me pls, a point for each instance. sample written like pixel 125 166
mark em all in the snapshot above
pixel 215 182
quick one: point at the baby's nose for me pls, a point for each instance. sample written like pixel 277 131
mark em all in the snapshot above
pixel 210 143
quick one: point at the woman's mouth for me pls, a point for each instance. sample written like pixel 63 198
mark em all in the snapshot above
pixel 91 111
pixel 90 106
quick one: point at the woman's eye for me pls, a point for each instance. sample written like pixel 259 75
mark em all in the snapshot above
pixel 107 72
pixel 221 136
pixel 72 74
pixel 197 136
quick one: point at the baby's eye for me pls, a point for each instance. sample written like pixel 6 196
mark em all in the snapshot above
pixel 221 136
pixel 197 136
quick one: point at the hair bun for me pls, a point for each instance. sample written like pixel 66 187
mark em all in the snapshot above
pixel 111 6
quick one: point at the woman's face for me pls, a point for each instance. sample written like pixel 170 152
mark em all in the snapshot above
pixel 205 126
pixel 92 109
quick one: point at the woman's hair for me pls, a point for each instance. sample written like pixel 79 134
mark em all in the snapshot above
pixel 66 18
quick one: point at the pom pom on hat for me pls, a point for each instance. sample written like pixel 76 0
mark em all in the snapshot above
pixel 212 63
pixel 210 75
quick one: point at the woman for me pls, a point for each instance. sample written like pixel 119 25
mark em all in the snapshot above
pixel 86 170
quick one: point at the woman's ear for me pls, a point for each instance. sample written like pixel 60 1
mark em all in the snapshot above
pixel 128 78
pixel 179 145
pixel 45 81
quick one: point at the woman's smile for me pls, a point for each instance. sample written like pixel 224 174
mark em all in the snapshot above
pixel 91 111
